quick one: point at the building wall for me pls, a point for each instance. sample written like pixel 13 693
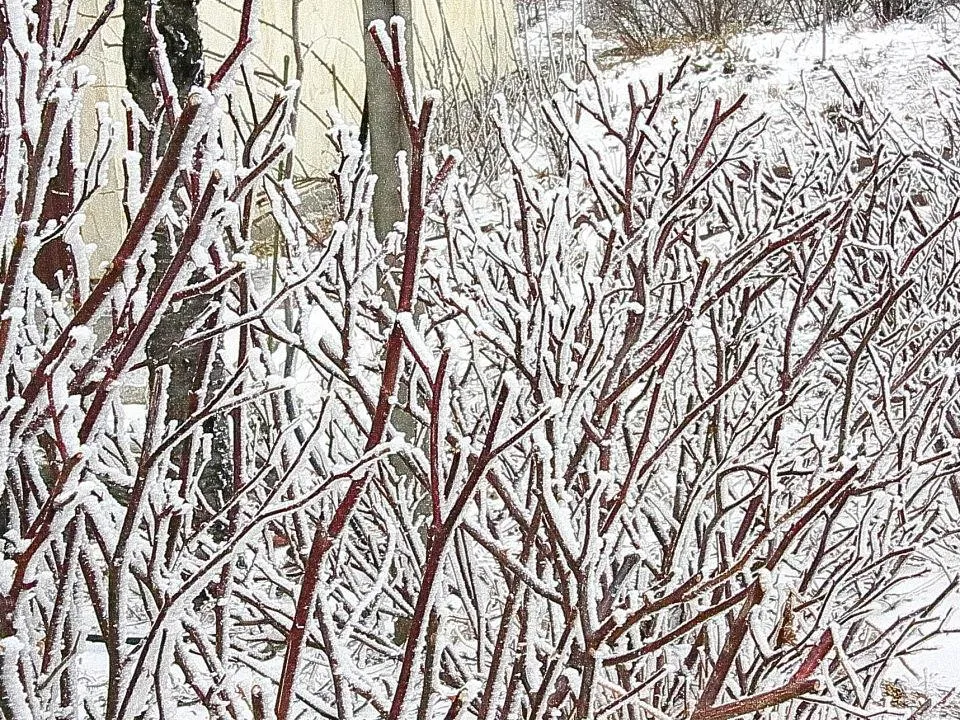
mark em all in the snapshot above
pixel 454 42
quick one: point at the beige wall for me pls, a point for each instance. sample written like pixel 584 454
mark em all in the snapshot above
pixel 455 42
pixel 104 213
pixel 481 31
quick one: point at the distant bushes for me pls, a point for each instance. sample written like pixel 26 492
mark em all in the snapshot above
pixel 644 25
pixel 887 10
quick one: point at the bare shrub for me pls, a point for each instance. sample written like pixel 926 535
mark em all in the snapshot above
pixel 809 14
pixel 640 27
pixel 547 50
pixel 648 26
pixel 888 10
pixel 683 420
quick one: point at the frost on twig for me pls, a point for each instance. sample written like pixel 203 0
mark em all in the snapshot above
pixel 676 422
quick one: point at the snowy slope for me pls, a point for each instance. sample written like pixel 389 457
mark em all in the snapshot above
pixel 782 72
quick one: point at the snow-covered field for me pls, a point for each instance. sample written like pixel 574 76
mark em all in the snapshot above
pixel 783 70
pixel 787 73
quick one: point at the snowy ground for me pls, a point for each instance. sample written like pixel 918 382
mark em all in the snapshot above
pixel 783 72
pixel 784 77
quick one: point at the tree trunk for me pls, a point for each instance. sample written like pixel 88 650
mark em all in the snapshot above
pixel 384 124
pixel 178 24
pixel 387 136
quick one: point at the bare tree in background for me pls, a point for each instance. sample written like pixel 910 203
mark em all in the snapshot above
pixel 163 61
pixel 175 24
